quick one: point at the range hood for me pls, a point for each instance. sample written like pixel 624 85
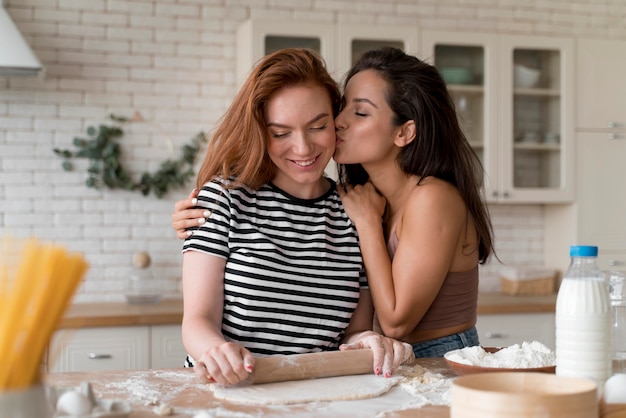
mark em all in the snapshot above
pixel 16 57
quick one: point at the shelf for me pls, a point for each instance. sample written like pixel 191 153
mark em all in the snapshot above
pixel 536 146
pixel 536 92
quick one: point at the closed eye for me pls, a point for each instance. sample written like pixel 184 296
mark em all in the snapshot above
pixel 280 134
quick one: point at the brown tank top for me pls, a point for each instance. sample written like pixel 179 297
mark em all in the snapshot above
pixel 457 300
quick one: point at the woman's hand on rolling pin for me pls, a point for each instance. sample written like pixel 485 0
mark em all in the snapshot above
pixel 389 353
pixel 226 364
pixel 185 217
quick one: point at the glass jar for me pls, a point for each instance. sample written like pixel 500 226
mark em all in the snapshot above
pixel 617 292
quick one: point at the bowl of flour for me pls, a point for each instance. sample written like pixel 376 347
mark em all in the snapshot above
pixel 530 356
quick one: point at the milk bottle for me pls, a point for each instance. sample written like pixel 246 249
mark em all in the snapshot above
pixel 583 319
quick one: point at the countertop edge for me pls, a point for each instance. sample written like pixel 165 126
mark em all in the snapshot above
pixel 170 311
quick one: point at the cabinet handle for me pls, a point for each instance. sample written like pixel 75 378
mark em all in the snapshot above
pixel 614 263
pixel 96 356
pixel 612 125
pixel 615 136
pixel 494 193
pixel 498 335
pixel 506 195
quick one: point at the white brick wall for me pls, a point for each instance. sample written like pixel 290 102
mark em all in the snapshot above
pixel 174 61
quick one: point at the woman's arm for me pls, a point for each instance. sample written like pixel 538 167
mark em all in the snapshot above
pixel 203 295
pixel 184 217
pixel 388 353
pixel 434 217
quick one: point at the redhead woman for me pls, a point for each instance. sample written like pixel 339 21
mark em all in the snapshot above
pixel 275 267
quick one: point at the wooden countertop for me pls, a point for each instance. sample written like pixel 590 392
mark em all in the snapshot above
pixel 180 389
pixel 170 311
pixel 104 314
pixel 497 303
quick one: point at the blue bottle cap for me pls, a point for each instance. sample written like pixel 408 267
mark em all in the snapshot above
pixel 583 251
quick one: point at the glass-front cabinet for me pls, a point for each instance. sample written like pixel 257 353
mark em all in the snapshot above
pixel 353 40
pixel 257 38
pixel 339 45
pixel 513 100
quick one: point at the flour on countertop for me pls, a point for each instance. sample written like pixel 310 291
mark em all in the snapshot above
pixel 417 388
pixel 527 355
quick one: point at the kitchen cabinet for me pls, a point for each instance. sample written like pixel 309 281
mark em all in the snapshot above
pixel 601 126
pixel 601 87
pixel 166 347
pixel 257 38
pixel 598 216
pixel 339 45
pixel 601 200
pixel 116 348
pixel 353 40
pixel 503 330
pixel 522 133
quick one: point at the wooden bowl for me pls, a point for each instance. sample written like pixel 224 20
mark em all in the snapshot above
pixel 522 395
pixel 463 369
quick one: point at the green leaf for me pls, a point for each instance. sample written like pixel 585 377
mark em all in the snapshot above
pixel 92 182
pixel 105 167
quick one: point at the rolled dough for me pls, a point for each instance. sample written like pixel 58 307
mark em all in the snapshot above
pixel 340 388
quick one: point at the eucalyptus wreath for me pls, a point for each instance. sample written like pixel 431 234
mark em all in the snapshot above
pixel 106 170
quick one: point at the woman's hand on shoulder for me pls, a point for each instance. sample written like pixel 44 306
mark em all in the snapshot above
pixel 389 353
pixel 362 203
pixel 184 217
pixel 227 364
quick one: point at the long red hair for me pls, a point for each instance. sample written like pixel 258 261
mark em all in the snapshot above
pixel 238 147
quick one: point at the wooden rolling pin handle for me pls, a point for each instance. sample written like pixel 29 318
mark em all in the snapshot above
pixel 312 365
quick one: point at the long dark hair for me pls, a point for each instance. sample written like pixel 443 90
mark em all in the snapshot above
pixel 416 91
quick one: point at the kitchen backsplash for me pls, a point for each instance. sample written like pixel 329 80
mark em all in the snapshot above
pixel 174 62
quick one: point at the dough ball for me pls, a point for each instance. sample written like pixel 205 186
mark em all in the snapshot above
pixel 141 260
pixel 615 389
pixel 74 403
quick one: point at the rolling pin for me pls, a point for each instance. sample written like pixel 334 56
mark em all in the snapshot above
pixel 312 365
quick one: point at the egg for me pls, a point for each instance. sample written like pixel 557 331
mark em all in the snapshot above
pixel 74 404
pixel 615 389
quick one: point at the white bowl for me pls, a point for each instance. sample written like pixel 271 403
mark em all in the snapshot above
pixel 525 77
pixel 147 289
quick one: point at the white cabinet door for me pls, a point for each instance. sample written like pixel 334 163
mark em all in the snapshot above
pixel 95 349
pixel 522 134
pixel 601 85
pixel 503 330
pixel 167 347
pixel 602 197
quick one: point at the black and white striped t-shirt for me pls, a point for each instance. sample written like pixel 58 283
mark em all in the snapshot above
pixel 293 270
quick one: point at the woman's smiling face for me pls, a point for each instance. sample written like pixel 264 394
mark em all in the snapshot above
pixel 365 130
pixel 301 133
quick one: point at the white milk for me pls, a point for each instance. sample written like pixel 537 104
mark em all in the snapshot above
pixel 583 329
